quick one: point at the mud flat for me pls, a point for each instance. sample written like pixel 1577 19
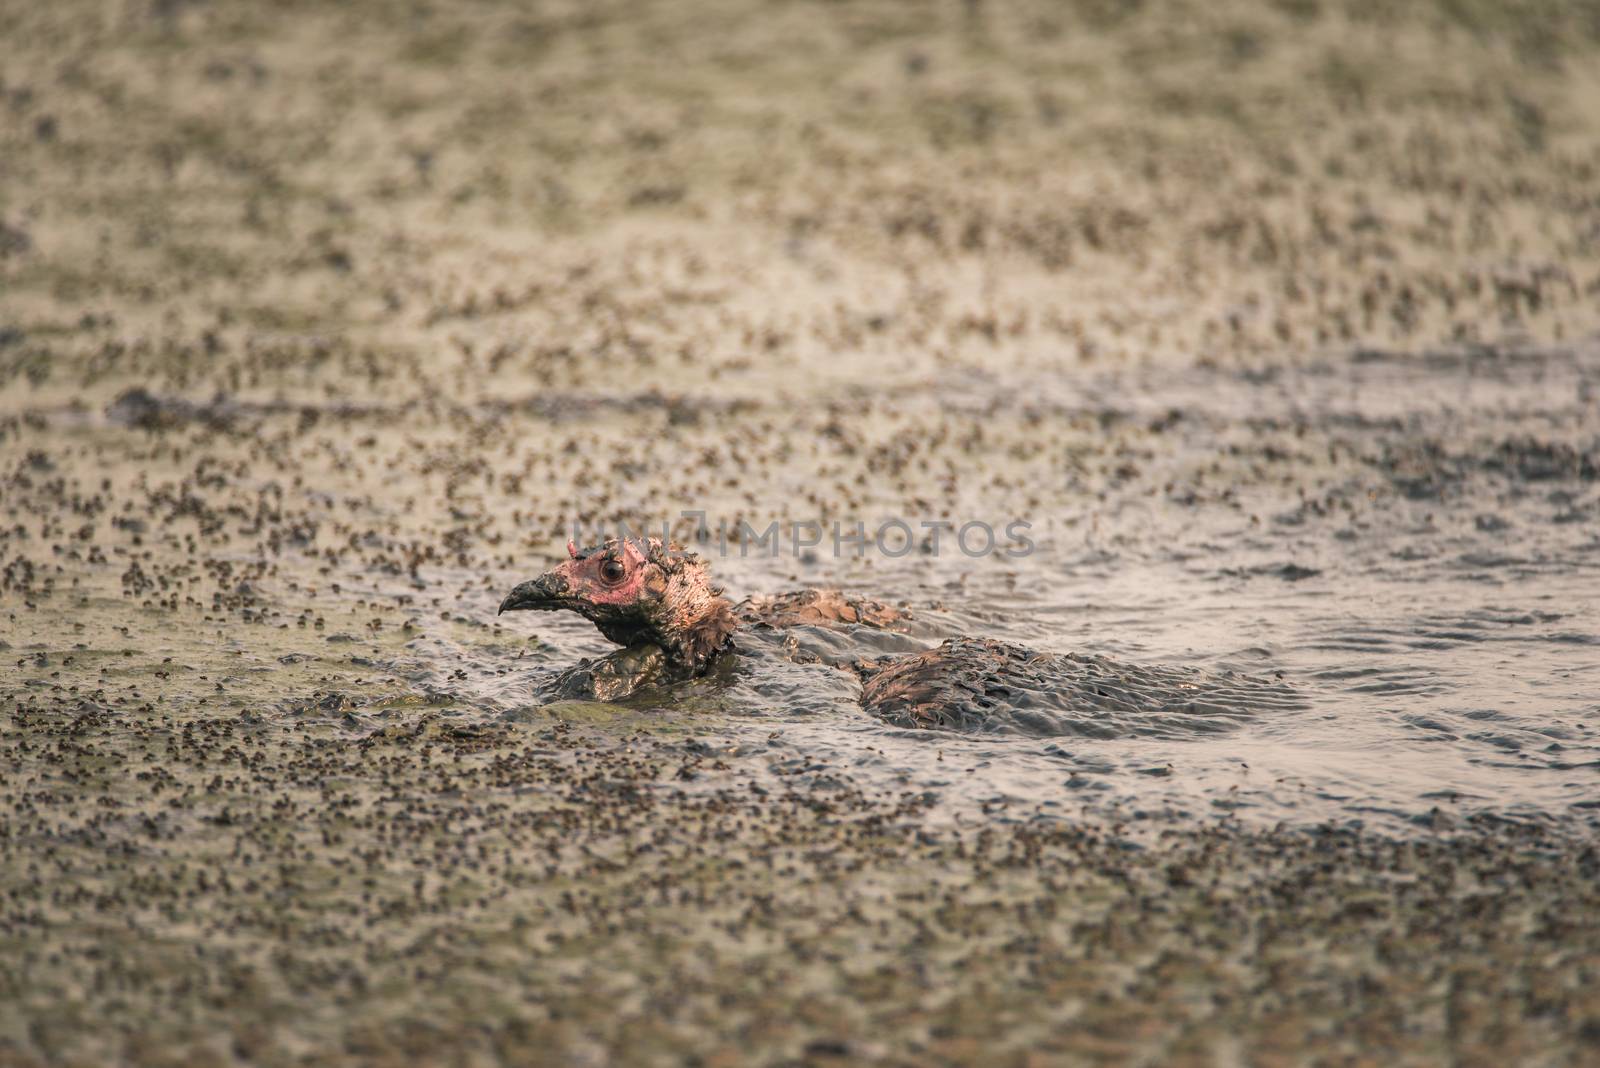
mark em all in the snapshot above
pixel 1278 324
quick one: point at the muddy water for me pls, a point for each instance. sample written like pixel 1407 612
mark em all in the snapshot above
pixel 1413 644
pixel 321 328
pixel 1381 568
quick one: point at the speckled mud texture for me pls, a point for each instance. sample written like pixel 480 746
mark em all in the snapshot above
pixel 1277 323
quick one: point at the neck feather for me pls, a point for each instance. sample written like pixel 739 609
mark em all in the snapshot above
pixel 695 621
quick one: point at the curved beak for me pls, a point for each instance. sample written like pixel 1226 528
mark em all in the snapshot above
pixel 545 593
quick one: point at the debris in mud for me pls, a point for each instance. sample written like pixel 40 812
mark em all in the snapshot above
pixel 1289 572
pixel 13 242
pixel 1427 469
pixel 141 409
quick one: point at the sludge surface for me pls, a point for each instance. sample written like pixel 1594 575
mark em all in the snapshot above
pixel 320 326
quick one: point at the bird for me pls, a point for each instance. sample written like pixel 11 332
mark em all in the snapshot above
pixel 658 601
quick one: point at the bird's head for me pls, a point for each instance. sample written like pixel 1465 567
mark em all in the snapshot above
pixel 636 592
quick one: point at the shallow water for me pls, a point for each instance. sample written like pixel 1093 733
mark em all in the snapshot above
pixel 1403 568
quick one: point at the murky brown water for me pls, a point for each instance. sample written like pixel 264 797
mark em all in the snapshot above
pixel 1423 619
pixel 321 329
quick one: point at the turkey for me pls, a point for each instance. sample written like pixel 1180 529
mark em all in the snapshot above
pixel 659 603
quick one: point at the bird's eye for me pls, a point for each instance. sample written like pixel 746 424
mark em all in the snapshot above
pixel 612 571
